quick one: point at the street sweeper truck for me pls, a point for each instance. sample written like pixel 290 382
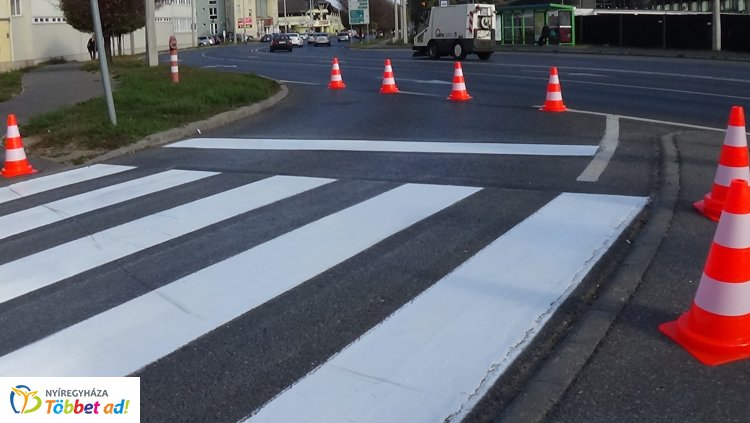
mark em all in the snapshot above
pixel 458 30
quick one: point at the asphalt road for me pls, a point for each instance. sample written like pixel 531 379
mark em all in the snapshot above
pixel 422 216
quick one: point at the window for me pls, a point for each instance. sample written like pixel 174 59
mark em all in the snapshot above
pixel 182 24
pixel 15 7
pixel 213 12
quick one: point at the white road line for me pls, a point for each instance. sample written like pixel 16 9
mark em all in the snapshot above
pixel 435 357
pixel 57 180
pixel 640 119
pixel 298 82
pixel 388 146
pixel 50 266
pixel 134 334
pixel 55 211
pixel 607 148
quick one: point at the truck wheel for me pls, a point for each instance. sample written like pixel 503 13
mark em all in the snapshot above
pixel 458 51
pixel 484 56
pixel 432 50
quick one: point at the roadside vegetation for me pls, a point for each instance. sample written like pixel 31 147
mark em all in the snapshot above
pixel 10 84
pixel 146 102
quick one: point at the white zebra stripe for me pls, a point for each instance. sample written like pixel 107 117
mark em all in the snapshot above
pixel 22 276
pixel 433 358
pixel 56 211
pixel 134 334
pixel 389 146
pixel 58 180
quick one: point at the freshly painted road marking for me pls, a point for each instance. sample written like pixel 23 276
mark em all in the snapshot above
pixel 607 147
pixel 58 180
pixel 660 122
pixel 55 211
pixel 434 358
pixel 388 146
pixel 50 266
pixel 138 332
pixel 299 82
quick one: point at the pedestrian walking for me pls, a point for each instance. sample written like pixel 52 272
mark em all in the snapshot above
pixel 91 46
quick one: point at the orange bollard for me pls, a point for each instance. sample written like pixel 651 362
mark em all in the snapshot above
pixel 16 163
pixel 175 70
pixel 458 91
pixel 716 329
pixel 554 100
pixel 733 164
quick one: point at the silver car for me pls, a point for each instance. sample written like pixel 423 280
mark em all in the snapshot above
pixel 322 39
pixel 295 38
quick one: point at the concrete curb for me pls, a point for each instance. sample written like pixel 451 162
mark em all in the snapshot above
pixel 552 379
pixel 193 128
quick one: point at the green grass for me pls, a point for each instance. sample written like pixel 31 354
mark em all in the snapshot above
pixel 146 101
pixel 10 84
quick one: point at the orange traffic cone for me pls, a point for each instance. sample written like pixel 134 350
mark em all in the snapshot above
pixel 554 101
pixel 733 164
pixel 337 83
pixel 15 156
pixel 389 83
pixel 716 329
pixel 459 92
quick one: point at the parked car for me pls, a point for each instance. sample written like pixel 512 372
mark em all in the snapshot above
pixel 311 38
pixel 295 39
pixel 266 38
pixel 281 42
pixel 205 41
pixel 344 36
pixel 322 39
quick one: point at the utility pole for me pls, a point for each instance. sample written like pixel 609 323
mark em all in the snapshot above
pixel 103 62
pixel 403 22
pixel 395 21
pixel 716 30
pixel 286 19
pixel 151 50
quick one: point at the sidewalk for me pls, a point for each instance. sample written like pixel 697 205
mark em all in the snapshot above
pixel 51 87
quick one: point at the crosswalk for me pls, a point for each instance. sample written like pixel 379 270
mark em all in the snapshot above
pixel 123 295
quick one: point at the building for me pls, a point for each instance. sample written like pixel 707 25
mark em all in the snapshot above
pixel 675 24
pixel 34 31
pixel 309 16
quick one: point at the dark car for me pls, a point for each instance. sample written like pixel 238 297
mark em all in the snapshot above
pixel 266 38
pixel 281 42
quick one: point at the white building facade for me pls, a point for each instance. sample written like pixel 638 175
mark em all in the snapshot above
pixel 35 31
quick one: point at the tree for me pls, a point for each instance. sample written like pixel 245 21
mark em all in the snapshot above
pixel 118 17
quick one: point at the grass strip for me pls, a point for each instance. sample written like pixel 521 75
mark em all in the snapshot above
pixel 10 84
pixel 146 101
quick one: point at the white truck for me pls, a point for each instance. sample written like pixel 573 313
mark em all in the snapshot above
pixel 458 30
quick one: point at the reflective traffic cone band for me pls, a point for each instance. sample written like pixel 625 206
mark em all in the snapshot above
pixel 337 82
pixel 733 164
pixel 459 93
pixel 389 83
pixel 716 329
pixel 554 101
pixel 15 156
